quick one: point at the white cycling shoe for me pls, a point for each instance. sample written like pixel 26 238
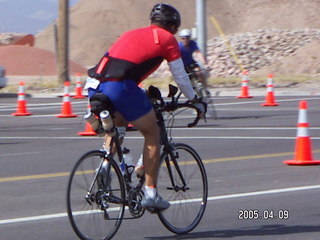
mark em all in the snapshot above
pixel 156 203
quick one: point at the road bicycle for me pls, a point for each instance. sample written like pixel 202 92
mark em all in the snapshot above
pixel 102 192
pixel 201 90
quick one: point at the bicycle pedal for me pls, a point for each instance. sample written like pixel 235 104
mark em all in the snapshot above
pixel 152 210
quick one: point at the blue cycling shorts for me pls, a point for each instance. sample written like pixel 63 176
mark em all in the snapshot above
pixel 127 98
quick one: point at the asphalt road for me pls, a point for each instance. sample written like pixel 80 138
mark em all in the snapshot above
pixel 243 151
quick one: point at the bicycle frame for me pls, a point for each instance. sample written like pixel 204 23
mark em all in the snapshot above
pixel 116 144
pixel 168 146
pixel 201 90
pixel 104 194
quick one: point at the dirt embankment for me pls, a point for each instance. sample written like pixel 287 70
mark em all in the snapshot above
pixel 96 24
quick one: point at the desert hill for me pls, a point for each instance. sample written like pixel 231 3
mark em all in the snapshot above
pixel 95 24
pixel 25 61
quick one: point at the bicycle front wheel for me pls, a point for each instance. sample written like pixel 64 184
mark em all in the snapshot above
pixel 183 182
pixel 95 197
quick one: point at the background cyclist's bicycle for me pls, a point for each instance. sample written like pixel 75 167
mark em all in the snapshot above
pixel 201 90
pixel 102 192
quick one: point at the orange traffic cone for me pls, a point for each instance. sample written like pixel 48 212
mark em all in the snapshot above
pixel 244 85
pixel 88 129
pixel 66 111
pixel 21 103
pixel 270 99
pixel 303 148
pixel 78 88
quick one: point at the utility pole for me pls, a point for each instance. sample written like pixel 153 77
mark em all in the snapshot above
pixel 201 25
pixel 63 41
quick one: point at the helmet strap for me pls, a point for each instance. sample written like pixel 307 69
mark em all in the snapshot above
pixel 169 27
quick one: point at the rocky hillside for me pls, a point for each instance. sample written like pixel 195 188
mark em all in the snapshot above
pixel 262 32
pixel 257 50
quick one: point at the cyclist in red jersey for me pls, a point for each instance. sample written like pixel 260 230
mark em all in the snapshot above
pixel 134 56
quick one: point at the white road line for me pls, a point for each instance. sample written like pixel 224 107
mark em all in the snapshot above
pixel 17 154
pixel 282 100
pixel 259 193
pixel 46 105
pixel 80 114
pixel 11 107
pixel 240 128
pixel 176 137
pixel 213 198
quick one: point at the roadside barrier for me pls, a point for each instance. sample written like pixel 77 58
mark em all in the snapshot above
pixel 303 148
pixel 78 91
pixel 66 110
pixel 21 102
pixel 270 98
pixel 244 85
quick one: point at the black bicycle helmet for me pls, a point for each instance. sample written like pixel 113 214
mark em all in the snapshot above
pixel 165 14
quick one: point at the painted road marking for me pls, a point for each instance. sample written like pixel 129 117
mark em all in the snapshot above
pixel 17 154
pixel 212 198
pixel 280 100
pixel 177 137
pixel 10 107
pixel 207 161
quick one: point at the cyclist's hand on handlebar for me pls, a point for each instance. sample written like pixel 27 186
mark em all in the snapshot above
pixel 200 106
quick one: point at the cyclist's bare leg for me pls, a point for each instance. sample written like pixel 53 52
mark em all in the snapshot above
pixel 120 122
pixel 149 128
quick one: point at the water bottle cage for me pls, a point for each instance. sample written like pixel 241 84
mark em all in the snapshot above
pixel 99 131
pixel 110 131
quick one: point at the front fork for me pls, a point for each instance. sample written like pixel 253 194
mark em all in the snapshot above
pixel 171 160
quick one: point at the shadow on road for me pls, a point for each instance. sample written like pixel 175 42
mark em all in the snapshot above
pixel 265 230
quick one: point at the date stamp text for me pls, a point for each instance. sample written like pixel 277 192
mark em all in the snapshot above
pixel 255 214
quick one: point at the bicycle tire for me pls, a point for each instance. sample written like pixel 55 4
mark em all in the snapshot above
pixel 188 205
pixel 97 215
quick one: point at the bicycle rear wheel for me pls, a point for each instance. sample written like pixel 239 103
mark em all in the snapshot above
pixel 183 182
pixel 95 197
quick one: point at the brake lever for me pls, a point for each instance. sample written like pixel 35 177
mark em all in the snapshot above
pixel 194 123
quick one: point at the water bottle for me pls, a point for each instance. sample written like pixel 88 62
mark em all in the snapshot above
pixel 106 119
pixel 94 123
pixel 127 157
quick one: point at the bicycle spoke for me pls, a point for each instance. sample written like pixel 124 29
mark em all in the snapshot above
pixel 95 199
pixel 188 201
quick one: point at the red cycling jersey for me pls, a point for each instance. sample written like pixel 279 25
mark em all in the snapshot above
pixel 138 53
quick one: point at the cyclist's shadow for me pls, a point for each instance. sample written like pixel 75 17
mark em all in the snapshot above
pixel 255 231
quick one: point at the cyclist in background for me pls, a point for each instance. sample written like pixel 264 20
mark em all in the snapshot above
pixel 189 47
pixel 134 56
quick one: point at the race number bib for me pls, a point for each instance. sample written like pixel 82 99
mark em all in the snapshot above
pixel 91 83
